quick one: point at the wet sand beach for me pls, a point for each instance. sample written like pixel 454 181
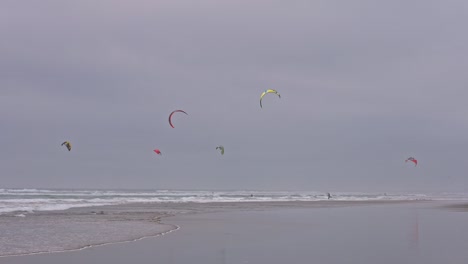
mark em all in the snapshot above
pixel 282 232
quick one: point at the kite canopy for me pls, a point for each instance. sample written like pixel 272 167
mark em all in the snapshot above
pixel 67 144
pixel 415 161
pixel 266 92
pixel 221 148
pixel 157 151
pixel 173 112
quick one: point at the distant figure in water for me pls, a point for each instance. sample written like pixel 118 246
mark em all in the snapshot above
pixel 251 195
pixel 329 196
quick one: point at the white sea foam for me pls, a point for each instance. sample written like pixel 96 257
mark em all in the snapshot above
pixel 30 200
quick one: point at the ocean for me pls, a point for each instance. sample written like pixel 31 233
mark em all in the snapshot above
pixel 24 201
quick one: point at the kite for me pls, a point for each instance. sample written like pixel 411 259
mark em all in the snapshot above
pixel 67 144
pixel 415 161
pixel 266 92
pixel 221 148
pixel 173 112
pixel 157 151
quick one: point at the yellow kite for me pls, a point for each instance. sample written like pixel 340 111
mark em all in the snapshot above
pixel 268 91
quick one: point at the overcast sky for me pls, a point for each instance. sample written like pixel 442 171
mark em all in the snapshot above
pixel 363 84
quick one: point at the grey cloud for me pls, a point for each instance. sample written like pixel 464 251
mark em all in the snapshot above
pixel 364 84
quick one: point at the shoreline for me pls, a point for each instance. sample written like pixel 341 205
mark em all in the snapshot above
pixel 264 233
pixel 166 210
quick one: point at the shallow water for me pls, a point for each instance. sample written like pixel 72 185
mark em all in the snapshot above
pixel 75 229
pixel 372 233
